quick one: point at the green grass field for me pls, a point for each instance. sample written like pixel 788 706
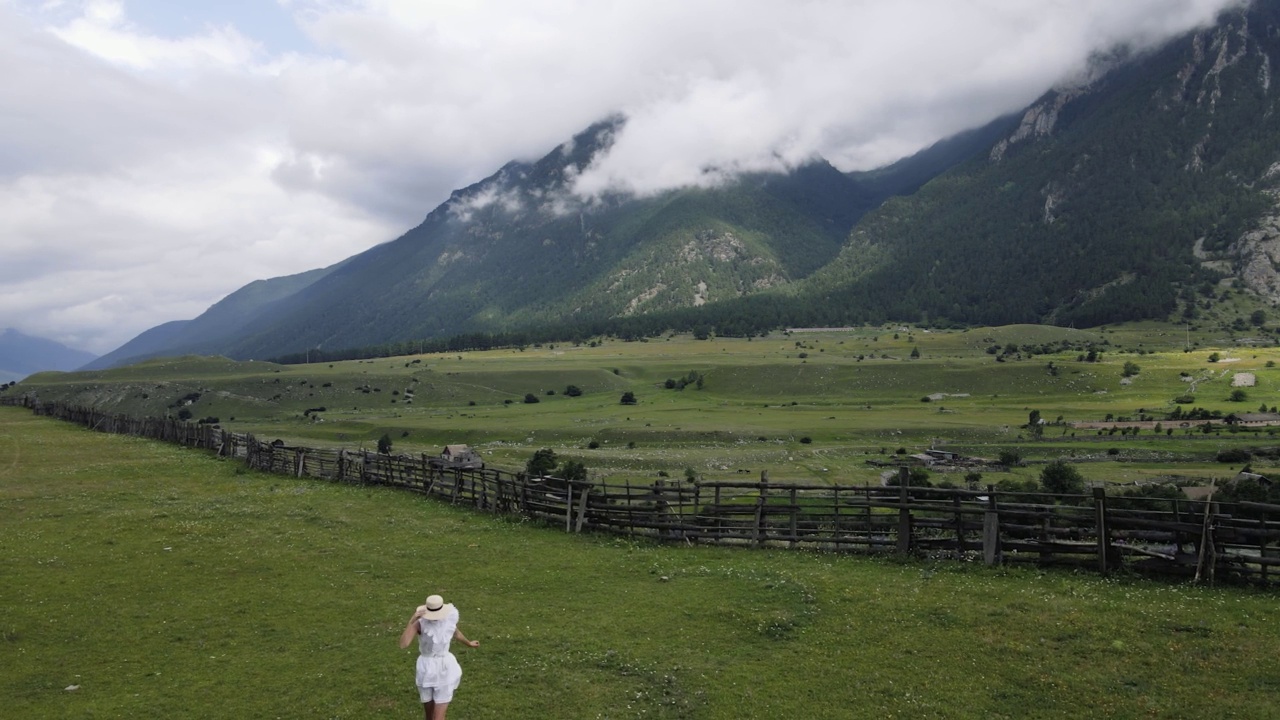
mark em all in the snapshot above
pixel 854 395
pixel 163 582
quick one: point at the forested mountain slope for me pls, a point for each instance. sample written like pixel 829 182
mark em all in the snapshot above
pixel 1130 192
pixel 1115 197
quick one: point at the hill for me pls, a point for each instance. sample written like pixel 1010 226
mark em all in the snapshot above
pixel 22 355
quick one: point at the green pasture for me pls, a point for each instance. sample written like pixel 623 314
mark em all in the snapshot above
pixel 148 580
pixel 805 406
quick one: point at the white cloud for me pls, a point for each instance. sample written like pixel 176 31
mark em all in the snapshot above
pixel 105 31
pixel 143 176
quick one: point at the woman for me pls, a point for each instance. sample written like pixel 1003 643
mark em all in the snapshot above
pixel 438 672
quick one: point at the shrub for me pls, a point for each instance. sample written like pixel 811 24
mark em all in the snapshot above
pixel 629 398
pixel 573 391
pixel 542 462
pixel 573 470
pixel 530 398
pixel 384 444
pixel 1010 458
pixel 806 440
pixel 1062 478
pixel 1233 455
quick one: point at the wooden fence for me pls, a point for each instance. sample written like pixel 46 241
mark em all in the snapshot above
pixel 1204 540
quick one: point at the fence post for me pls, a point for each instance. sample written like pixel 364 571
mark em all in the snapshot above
pixel 1207 554
pixel 760 503
pixel 1104 532
pixel 904 513
pixel 568 506
pixel 719 517
pixel 955 502
pixel 582 508
pixel 1262 547
pixel 661 512
pixel 991 529
pixel 795 511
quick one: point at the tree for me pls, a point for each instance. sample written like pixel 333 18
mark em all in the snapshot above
pixel 542 463
pixel 1238 395
pixel 915 353
pixel 629 398
pixel 1258 317
pixel 916 477
pixel 384 444
pixel 573 470
pixel 1033 418
pixel 1010 457
pixel 1130 369
pixel 1062 478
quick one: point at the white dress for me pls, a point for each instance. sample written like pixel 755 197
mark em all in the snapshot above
pixel 437 667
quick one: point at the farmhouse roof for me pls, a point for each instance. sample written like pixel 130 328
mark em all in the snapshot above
pixel 1258 417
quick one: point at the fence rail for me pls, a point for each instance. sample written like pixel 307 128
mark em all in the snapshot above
pixel 1203 540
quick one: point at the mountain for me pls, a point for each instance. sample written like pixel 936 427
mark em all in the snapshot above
pixel 22 355
pixel 518 249
pixel 1147 187
pixel 209 333
pixel 1129 193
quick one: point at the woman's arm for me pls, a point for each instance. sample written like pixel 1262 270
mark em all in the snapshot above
pixel 410 630
pixel 457 635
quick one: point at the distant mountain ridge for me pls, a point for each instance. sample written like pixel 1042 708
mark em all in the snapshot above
pixel 1134 192
pixel 1126 196
pixel 22 354
pixel 208 333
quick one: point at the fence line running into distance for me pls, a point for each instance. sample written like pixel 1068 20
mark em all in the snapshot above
pixel 1204 540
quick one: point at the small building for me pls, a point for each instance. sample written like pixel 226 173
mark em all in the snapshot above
pixel 1259 419
pixel 944 455
pixel 458 456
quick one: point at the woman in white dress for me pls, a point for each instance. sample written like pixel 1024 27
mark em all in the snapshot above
pixel 438 672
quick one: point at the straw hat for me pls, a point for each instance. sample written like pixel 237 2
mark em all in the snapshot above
pixel 434 609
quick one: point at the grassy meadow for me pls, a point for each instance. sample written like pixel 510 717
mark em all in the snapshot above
pixel 808 406
pixel 149 580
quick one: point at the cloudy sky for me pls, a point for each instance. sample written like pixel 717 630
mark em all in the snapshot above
pixel 156 155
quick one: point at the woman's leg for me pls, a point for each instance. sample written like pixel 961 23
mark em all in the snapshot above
pixel 441 709
pixel 427 709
